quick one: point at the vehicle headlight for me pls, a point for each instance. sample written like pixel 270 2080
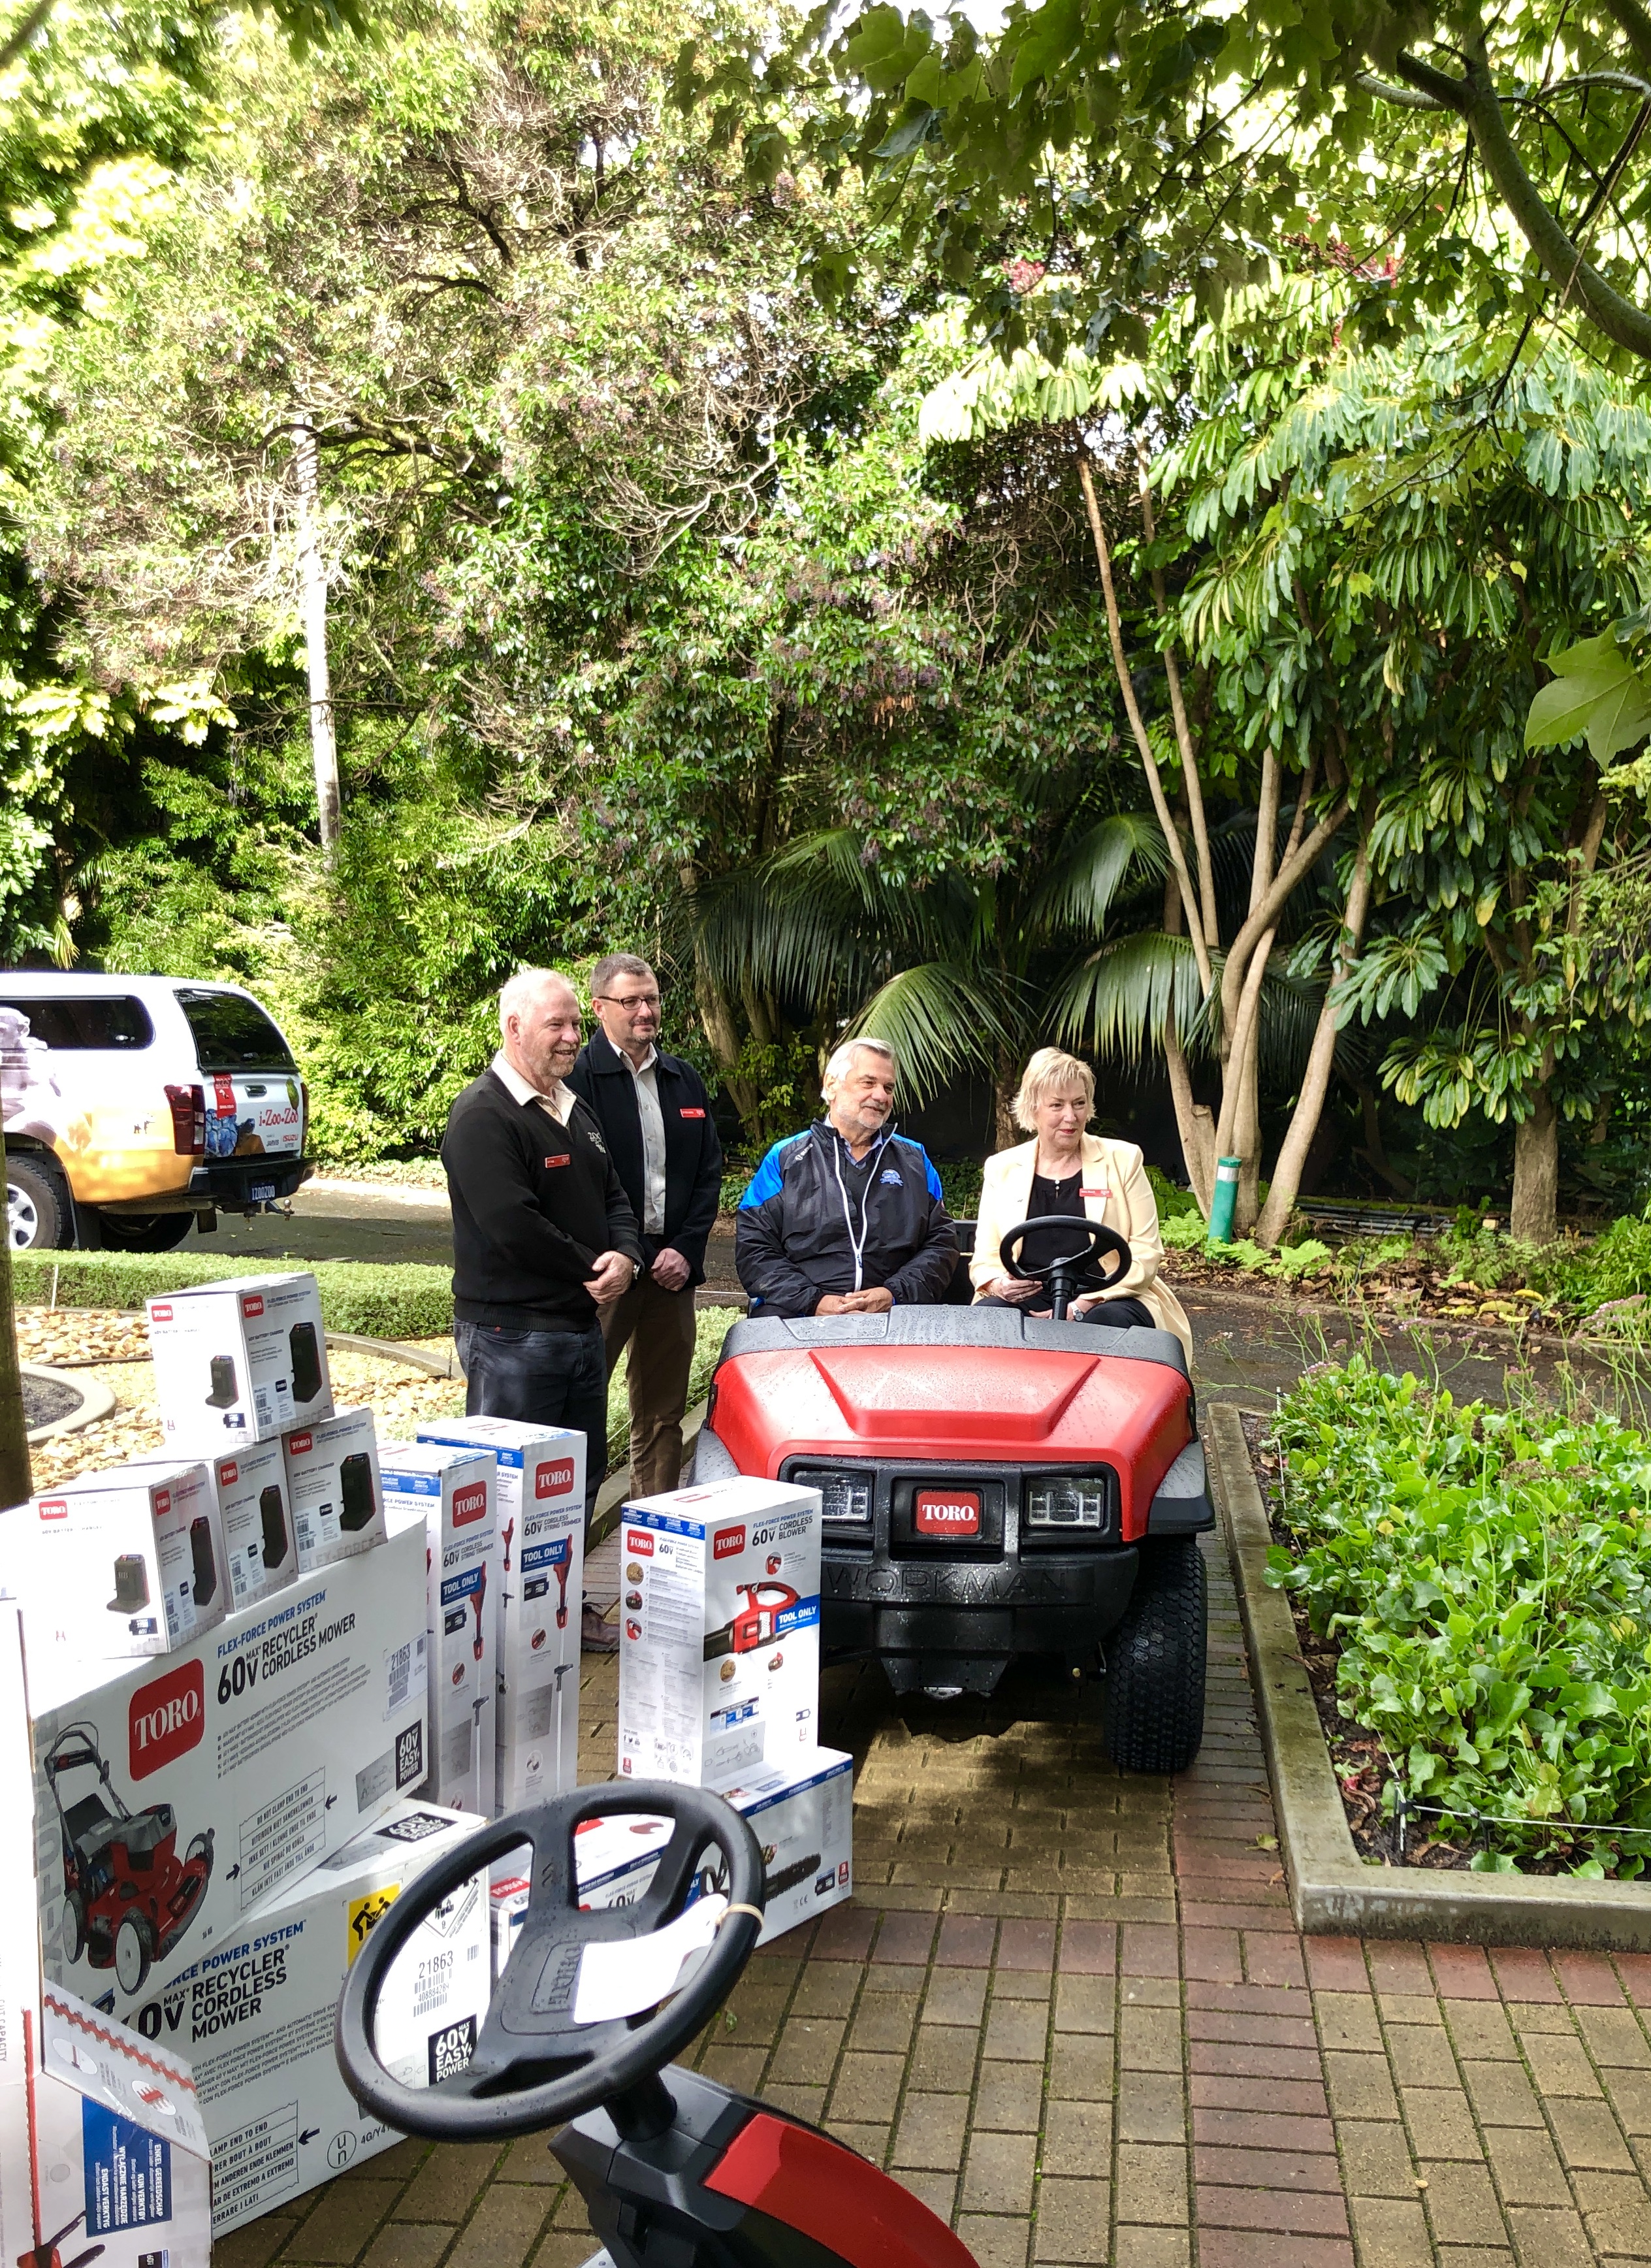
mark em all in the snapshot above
pixel 844 1497
pixel 1066 1500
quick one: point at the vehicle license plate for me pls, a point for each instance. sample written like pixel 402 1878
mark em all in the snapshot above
pixel 262 1192
pixel 948 1512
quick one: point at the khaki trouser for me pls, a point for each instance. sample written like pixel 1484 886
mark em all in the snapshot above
pixel 657 1325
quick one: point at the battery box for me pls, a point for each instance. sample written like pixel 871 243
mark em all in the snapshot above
pixel 122 1562
pixel 333 1489
pixel 258 1549
pixel 237 1361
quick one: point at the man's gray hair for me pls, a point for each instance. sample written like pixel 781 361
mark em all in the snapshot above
pixel 842 1062
pixel 520 989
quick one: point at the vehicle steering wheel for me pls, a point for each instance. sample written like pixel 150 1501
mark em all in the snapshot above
pixel 1076 1271
pixel 533 2066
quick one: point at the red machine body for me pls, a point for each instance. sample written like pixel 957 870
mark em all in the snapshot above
pixel 129 1895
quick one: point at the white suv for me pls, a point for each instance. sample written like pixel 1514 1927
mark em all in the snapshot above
pixel 134 1105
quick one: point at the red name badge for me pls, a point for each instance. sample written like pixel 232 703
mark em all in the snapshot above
pixel 565 1159
pixel 1102 1192
pixel 691 1114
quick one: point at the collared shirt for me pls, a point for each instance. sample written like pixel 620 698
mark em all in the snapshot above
pixel 557 1103
pixel 646 1080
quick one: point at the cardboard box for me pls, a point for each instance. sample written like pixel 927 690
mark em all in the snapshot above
pixel 243 1360
pixel 719 1622
pixel 333 1489
pixel 170 1800
pixel 450 1493
pixel 259 1546
pixel 542 1565
pixel 102 2145
pixel 256 2016
pixel 117 1564
pixel 801 1814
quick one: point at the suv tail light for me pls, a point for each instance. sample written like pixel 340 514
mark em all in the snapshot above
pixel 188 1120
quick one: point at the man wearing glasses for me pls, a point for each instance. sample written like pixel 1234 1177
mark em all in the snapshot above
pixel 656 1116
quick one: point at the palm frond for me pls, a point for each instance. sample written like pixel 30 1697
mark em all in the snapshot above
pixel 940 1017
pixel 1115 1003
pixel 1084 878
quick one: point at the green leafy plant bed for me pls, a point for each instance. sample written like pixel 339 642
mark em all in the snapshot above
pixel 380 1300
pixel 1472 1594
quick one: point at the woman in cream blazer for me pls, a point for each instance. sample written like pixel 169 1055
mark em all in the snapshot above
pixel 1054 1104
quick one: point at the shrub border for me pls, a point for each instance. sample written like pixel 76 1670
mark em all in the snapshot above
pixel 1333 1892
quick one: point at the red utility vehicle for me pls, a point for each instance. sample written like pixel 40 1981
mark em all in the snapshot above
pixel 128 1897
pixel 993 1485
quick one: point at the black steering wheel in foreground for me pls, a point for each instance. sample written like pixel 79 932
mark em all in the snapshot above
pixel 1074 1272
pixel 535 2064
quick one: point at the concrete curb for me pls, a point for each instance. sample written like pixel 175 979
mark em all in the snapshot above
pixel 96 1402
pixel 1333 1892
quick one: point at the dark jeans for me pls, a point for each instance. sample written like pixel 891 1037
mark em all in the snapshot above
pixel 546 1378
pixel 1117 1314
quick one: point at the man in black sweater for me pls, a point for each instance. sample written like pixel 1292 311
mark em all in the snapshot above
pixel 656 1116
pixel 544 1237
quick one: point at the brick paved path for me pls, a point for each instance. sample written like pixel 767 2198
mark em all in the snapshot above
pixel 1070 2011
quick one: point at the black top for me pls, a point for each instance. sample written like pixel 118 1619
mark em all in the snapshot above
pixel 812 1221
pixel 1045 1246
pixel 693 1150
pixel 533 1204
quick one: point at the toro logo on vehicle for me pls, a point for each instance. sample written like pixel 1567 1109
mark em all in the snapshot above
pixel 639 1540
pixel 469 1504
pixel 553 1480
pixel 253 1304
pixel 728 1542
pixel 948 1512
pixel 165 1719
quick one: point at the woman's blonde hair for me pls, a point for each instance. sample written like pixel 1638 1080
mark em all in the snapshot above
pixel 1049 1068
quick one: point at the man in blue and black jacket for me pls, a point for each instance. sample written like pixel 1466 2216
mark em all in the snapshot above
pixel 847 1218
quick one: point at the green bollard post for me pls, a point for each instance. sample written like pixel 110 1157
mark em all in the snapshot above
pixel 1224 1203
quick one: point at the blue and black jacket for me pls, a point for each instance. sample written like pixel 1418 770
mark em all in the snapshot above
pixel 812 1221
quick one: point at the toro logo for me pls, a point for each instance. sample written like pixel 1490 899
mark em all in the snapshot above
pixel 728 1542
pixel 300 1444
pixel 159 1311
pixel 639 1540
pixel 253 1304
pixel 162 1503
pixel 229 1473
pixel 469 1504
pixel 165 1719
pixel 553 1480
pixel 948 1512
pixel 53 1507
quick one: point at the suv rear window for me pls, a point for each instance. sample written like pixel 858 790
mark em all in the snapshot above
pixel 118 1022
pixel 233 1034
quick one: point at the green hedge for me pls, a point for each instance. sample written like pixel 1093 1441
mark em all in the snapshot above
pixel 376 1299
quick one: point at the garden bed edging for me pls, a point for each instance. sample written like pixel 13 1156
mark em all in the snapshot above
pixel 1332 1891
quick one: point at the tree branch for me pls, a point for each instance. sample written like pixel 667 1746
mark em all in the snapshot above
pixel 17 40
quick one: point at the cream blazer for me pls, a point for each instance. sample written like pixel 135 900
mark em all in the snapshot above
pixel 1116 1191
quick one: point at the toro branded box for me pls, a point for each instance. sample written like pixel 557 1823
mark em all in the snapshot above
pixel 541 1570
pixel 450 1494
pixel 333 1489
pixel 801 1814
pixel 250 1485
pixel 243 1360
pixel 255 2017
pixel 119 1563
pixel 103 2151
pixel 719 1617
pixel 172 1799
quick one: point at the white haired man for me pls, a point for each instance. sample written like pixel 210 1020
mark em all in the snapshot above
pixel 847 1218
pixel 544 1237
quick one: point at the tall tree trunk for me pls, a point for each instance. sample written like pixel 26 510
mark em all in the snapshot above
pixel 16 1481
pixel 1005 1133
pixel 312 576
pixel 1309 1104
pixel 1535 1219
pixel 721 1033
pixel 1194 1121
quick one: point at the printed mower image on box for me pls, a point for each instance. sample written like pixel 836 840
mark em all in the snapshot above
pixel 129 1898
pixel 993 1485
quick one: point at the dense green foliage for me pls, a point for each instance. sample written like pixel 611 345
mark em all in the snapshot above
pixel 1488 1575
